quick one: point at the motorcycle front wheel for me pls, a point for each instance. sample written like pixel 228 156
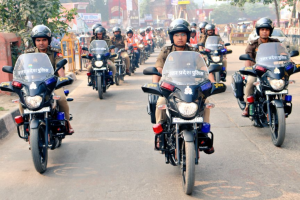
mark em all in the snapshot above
pixel 117 79
pixel 188 167
pixel 277 125
pixel 99 87
pixel 39 150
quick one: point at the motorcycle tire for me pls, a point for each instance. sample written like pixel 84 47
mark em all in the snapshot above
pixel 117 79
pixel 39 151
pixel 59 142
pixel 188 167
pixel 99 87
pixel 241 103
pixel 277 125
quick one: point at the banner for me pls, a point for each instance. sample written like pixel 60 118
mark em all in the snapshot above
pixel 90 18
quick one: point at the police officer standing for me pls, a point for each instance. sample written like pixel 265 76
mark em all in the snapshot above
pixel 41 37
pixel 264 28
pixel 179 33
pixel 119 41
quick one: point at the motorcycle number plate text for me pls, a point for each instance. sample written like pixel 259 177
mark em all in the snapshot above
pixel 268 92
pixel 46 109
pixel 182 121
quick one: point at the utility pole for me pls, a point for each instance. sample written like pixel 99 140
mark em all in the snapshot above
pixel 277 13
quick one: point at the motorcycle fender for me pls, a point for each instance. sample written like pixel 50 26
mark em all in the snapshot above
pixel 278 103
pixel 188 136
pixel 34 123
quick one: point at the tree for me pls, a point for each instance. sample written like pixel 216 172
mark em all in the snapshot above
pixel 144 8
pixel 16 14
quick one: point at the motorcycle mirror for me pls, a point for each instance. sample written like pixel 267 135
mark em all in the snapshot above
pixel 60 65
pixel 151 71
pixel 214 68
pixel 246 57
pixel 294 53
pixel 84 56
pixel 218 88
pixel 8 69
pixel 112 47
pixel 85 48
pixel 229 51
pixel 227 44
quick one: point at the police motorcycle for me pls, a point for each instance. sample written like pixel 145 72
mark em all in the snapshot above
pixel 120 63
pixel 270 103
pixel 132 56
pixel 159 41
pixel 42 124
pixel 215 51
pixel 100 77
pixel 143 55
pixel 185 86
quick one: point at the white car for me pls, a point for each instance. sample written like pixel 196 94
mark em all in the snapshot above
pixel 277 33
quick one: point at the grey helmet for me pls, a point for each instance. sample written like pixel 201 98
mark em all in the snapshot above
pixel 193 30
pixel 100 29
pixel 202 25
pixel 129 30
pixel 142 31
pixel 193 24
pixel 209 27
pixel 264 23
pixel 117 29
pixel 41 31
pixel 179 25
pixel 95 26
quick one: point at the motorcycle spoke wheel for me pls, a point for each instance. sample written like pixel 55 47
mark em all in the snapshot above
pixel 99 86
pixel 188 167
pixel 277 125
pixel 39 150
pixel 117 79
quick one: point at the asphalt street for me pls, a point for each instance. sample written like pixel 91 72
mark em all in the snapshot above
pixel 111 154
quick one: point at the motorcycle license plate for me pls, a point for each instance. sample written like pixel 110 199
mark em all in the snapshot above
pixel 46 109
pixel 268 92
pixel 182 121
pixel 97 69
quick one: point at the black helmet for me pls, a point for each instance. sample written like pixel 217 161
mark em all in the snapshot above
pixel 179 25
pixel 193 30
pixel 264 23
pixel 95 26
pixel 41 31
pixel 148 28
pixel 193 24
pixel 100 29
pixel 210 27
pixel 116 29
pixel 129 30
pixel 142 31
pixel 202 25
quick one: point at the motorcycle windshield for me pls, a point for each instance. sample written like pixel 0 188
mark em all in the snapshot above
pixel 33 67
pixel 272 55
pixel 214 43
pixel 98 47
pixel 185 68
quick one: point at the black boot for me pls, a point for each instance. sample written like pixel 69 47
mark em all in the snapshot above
pixel 223 76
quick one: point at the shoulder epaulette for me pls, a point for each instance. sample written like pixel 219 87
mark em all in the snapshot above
pixel 31 50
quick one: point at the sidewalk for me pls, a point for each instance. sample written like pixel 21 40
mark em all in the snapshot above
pixel 9 110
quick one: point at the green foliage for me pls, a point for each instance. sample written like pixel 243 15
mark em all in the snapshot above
pixel 227 13
pixel 144 7
pixel 241 3
pixel 16 14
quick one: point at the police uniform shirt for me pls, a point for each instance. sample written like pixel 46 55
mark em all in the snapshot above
pixel 252 47
pixel 53 54
pixel 166 50
pixel 119 42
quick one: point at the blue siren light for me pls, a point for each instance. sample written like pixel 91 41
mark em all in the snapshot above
pixel 61 116
pixel 50 80
pixel 288 98
pixel 206 86
pixel 288 67
pixel 224 50
pixel 205 128
pixel 66 92
pixel 107 55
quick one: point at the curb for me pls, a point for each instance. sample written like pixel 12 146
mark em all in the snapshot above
pixel 7 123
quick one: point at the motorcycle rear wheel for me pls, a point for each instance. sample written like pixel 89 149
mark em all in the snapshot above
pixel 99 87
pixel 39 151
pixel 277 125
pixel 117 79
pixel 188 167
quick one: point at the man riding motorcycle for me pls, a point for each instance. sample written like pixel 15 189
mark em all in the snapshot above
pixel 119 41
pixel 100 34
pixel 210 31
pixel 131 41
pixel 202 30
pixel 95 26
pixel 193 39
pixel 41 37
pixel 149 34
pixel 179 34
pixel 143 39
pixel 264 28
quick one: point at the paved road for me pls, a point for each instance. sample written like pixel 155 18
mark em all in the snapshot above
pixel 111 154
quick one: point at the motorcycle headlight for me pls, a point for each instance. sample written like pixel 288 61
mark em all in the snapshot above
pixel 141 46
pixel 277 84
pixel 216 58
pixel 187 109
pixel 98 63
pixel 33 102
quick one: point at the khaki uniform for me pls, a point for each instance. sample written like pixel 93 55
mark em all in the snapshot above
pixel 54 58
pixel 251 50
pixel 161 115
pixel 110 62
pixel 120 43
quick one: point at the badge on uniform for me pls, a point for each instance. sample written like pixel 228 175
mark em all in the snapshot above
pixel 32 86
pixel 276 71
pixel 188 90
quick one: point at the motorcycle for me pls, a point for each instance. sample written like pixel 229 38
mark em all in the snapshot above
pixel 100 77
pixel 120 63
pixel 270 103
pixel 185 86
pixel 215 52
pixel 143 56
pixel 159 42
pixel 131 53
pixel 42 124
